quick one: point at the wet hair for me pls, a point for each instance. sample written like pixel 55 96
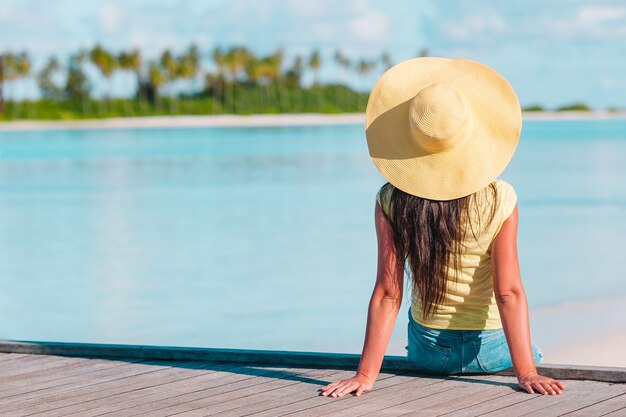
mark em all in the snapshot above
pixel 430 234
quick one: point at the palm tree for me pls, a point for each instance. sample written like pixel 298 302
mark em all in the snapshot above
pixel 156 79
pixel 107 64
pixel 131 61
pixel 342 60
pixel 386 60
pixel 48 87
pixel 235 61
pixel 77 85
pixel 8 69
pixel 344 63
pixel 273 73
pixel 169 65
pixel 315 62
pixel 189 65
pixel 364 67
pixel 218 58
pixel 1 83
pixel 254 71
pixel 293 76
pixel 14 67
pixel 217 84
pixel 293 79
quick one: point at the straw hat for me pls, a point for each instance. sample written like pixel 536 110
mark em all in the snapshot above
pixel 442 128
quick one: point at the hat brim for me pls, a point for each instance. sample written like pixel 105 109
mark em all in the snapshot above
pixel 461 170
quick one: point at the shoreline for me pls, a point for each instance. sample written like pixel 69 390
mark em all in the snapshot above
pixel 255 120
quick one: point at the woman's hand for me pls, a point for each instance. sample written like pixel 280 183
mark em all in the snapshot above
pixel 542 384
pixel 358 382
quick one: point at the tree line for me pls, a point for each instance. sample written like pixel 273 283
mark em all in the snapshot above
pixel 232 80
pixel 236 80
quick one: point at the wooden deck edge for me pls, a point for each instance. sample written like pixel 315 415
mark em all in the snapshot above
pixel 273 357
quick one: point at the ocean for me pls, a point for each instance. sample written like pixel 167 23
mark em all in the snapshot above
pixel 263 237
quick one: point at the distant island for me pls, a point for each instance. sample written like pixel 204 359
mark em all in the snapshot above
pixel 224 81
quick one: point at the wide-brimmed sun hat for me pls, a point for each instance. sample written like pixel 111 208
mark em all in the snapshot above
pixel 441 128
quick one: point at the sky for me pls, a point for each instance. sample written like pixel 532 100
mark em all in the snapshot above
pixel 552 52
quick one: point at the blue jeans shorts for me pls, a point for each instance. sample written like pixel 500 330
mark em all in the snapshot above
pixel 447 351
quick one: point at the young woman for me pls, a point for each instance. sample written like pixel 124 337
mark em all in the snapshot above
pixel 441 131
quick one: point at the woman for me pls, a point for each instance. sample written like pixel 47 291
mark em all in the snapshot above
pixel 441 131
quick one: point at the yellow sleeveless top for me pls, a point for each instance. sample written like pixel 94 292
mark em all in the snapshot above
pixel 470 304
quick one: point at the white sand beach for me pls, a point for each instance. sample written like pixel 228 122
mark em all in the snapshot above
pixel 582 333
pixel 256 120
pixel 163 122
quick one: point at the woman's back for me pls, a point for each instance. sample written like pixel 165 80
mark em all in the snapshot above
pixel 469 302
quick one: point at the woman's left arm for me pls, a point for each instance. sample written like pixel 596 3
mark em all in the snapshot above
pixel 383 310
pixel 513 308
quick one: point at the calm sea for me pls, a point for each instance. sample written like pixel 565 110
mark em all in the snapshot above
pixel 263 237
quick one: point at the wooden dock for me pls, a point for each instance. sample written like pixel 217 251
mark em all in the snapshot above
pixel 63 379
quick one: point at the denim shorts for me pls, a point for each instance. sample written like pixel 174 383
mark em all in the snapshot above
pixel 447 351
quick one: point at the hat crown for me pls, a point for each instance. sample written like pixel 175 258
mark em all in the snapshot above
pixel 438 116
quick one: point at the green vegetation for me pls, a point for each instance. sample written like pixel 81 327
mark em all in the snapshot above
pixel 235 82
pixel 574 107
pixel 192 82
pixel 535 107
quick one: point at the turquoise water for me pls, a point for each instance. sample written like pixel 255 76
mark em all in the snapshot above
pixel 262 237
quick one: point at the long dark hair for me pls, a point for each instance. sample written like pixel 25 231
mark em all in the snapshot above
pixel 430 234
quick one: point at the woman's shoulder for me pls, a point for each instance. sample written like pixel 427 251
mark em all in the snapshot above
pixel 507 197
pixel 383 197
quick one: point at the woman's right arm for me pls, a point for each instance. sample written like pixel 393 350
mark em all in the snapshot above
pixel 382 313
pixel 513 308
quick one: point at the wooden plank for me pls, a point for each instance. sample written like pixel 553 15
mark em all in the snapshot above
pixel 294 394
pixel 185 393
pixel 94 368
pixel 601 408
pixel 155 390
pixel 400 401
pixel 181 398
pixel 491 389
pixel 282 358
pixel 216 405
pixel 84 386
pixel 234 392
pixel 222 403
pixel 540 402
pixel 584 398
pixel 487 404
pixel 124 396
pixel 11 356
pixel 16 364
pixel 32 368
pixel 311 401
pixel 51 385
pixel 500 402
pixel 372 401
pixel 617 413
pixel 55 386
pixel 38 373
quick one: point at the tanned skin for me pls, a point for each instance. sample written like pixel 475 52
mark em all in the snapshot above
pixel 387 298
